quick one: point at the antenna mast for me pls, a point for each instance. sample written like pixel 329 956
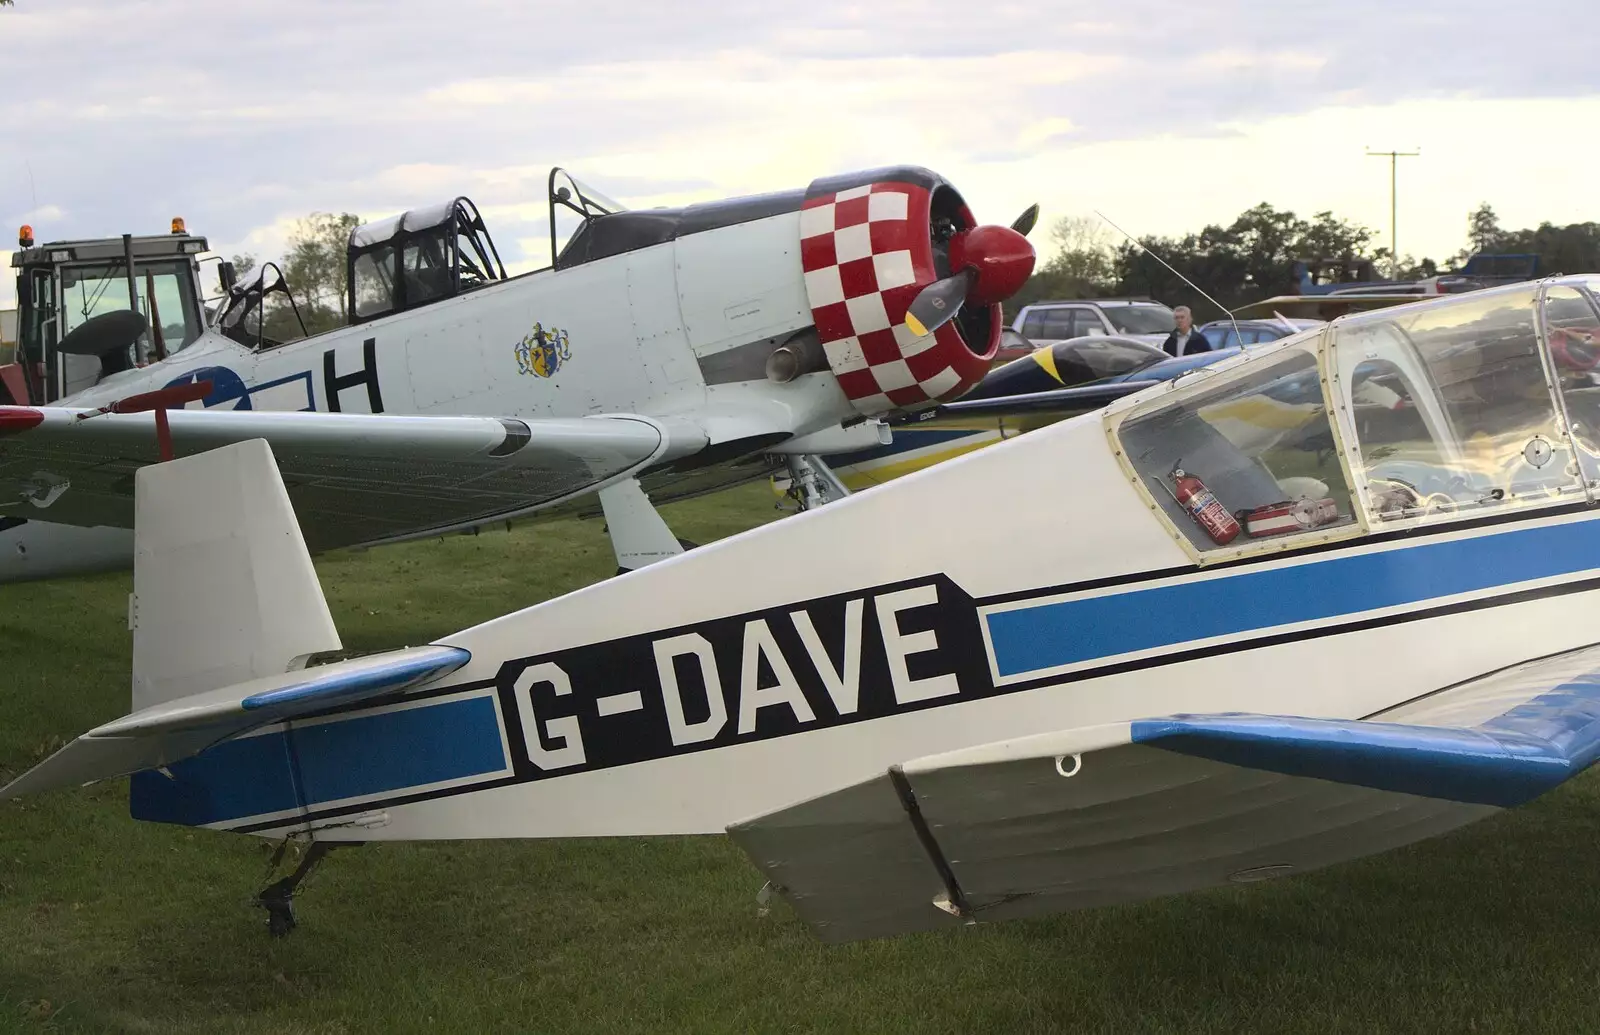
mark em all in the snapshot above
pixel 1141 246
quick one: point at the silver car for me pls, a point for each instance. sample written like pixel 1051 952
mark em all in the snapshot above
pixel 1044 323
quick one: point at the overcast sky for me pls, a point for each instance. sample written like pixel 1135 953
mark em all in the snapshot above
pixel 1164 115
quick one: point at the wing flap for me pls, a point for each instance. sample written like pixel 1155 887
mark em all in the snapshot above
pixel 1090 817
pixel 354 478
pixel 1014 839
pixel 849 863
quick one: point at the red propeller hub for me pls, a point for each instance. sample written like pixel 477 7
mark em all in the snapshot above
pixel 1002 257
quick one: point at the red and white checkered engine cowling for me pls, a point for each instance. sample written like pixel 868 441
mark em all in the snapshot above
pixel 866 247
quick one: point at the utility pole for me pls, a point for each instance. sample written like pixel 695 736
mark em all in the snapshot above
pixel 1394 246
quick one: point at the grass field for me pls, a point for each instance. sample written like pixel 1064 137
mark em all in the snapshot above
pixel 110 925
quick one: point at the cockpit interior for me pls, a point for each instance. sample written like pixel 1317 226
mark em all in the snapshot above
pixel 1426 411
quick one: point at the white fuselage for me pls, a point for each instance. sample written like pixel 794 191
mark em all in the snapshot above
pixel 642 330
pixel 898 638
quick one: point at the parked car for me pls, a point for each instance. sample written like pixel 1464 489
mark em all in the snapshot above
pixel 1045 323
pixel 1012 346
pixel 1221 333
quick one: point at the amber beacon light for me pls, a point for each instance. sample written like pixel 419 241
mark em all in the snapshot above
pixel 25 236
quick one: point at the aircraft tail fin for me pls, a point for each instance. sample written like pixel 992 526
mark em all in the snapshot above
pixel 223 586
pixel 226 610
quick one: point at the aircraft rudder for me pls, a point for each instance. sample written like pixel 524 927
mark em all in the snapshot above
pixel 224 588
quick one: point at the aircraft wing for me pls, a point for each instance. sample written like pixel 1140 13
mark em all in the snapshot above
pixel 1059 401
pixel 353 478
pixel 1116 813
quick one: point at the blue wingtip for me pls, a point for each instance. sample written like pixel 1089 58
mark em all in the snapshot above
pixel 1484 766
pixel 381 673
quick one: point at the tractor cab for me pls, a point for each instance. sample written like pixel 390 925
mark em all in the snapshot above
pixel 90 308
pixel 419 257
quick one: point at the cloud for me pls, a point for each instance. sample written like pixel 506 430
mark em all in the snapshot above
pixel 242 119
pixel 43 214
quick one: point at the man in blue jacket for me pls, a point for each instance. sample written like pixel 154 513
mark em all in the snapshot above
pixel 1185 339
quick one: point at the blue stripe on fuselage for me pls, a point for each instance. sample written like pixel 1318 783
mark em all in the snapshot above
pixel 1046 636
pixel 370 754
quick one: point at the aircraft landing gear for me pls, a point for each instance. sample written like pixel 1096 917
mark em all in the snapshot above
pixel 277 898
pixel 812 483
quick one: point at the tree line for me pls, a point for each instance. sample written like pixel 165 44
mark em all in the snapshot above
pixel 1253 257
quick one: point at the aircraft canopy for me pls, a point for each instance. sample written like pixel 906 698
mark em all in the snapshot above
pixel 1447 409
pixel 418 257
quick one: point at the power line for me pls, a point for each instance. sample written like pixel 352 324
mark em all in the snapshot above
pixel 1394 245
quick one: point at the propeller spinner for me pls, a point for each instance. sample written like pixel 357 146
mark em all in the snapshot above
pixel 991 262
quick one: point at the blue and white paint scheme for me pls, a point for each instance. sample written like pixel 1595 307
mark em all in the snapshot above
pixel 909 728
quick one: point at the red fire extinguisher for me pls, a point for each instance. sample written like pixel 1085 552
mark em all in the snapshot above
pixel 1208 512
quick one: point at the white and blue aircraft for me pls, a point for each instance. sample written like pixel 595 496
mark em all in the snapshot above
pixel 1323 598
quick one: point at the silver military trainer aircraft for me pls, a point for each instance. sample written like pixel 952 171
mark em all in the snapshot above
pixel 666 353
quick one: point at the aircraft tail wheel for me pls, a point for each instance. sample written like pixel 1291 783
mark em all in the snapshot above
pixel 277 898
pixel 1077 764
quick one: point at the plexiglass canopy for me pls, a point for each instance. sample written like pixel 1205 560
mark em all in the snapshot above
pixel 1445 409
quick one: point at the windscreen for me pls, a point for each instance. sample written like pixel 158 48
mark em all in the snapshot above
pixel 1089 359
pixel 372 279
pixel 90 291
pixel 1572 334
pixel 1452 406
pixel 260 312
pixel 1141 319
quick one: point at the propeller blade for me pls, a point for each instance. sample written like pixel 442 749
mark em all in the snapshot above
pixel 939 302
pixel 1025 222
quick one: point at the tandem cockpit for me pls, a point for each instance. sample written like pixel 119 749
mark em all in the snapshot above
pixel 1434 411
pixel 404 262
pixel 393 265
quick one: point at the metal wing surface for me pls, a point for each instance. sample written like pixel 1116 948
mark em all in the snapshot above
pixel 353 478
pixel 1095 816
